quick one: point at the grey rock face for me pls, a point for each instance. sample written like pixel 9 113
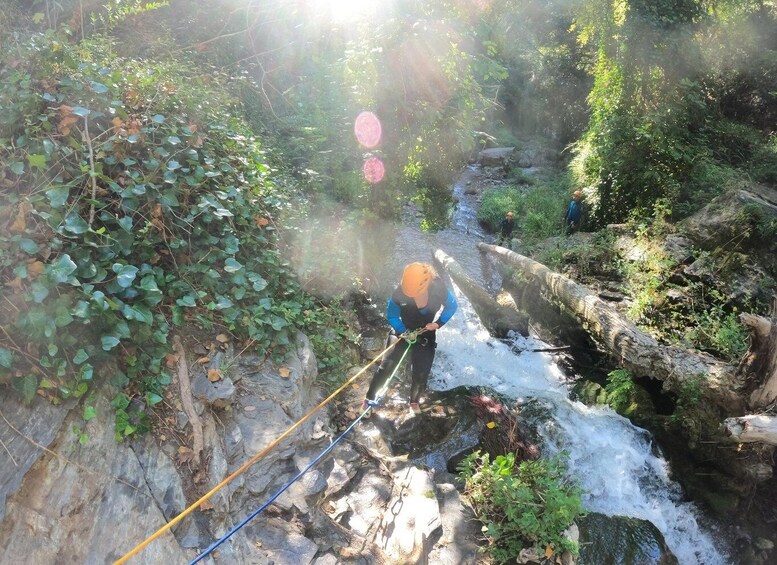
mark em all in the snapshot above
pixel 41 421
pixel 91 517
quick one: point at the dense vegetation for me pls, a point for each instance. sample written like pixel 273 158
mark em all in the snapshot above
pixel 176 164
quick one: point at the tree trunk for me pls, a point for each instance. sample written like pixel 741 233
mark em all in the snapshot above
pixel 497 318
pixel 764 352
pixel 678 368
pixel 754 428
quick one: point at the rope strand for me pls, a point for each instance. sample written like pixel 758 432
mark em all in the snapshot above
pixel 323 454
pixel 137 549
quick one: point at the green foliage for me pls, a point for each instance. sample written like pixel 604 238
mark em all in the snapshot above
pixel 713 328
pixel 435 205
pixel 329 329
pixel 670 115
pixel 528 505
pixel 137 204
pixel 687 402
pixel 538 211
pixel 620 390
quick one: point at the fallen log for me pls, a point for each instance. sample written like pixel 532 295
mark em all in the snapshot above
pixel 677 367
pixel 763 354
pixel 499 319
pixel 754 428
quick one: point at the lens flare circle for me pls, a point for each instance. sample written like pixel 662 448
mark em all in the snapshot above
pixel 374 170
pixel 368 129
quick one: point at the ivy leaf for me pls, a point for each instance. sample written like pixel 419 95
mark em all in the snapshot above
pixel 58 196
pixel 17 167
pixel 109 342
pixel 6 357
pixel 188 301
pixel 173 140
pixel 98 87
pixel 28 246
pixel 125 274
pixel 80 357
pixel 232 266
pixel 37 161
pixel 26 386
pixel 138 312
pixel 62 268
pixel 86 372
pixel 89 413
pixel 152 398
pixel 125 223
pixel 75 224
pixel 81 111
pixel 158 118
pixel 259 283
pixel 172 164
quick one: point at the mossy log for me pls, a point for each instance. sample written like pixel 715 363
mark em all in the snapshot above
pixel 678 368
pixel 498 318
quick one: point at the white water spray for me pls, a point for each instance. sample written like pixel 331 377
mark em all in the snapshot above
pixel 614 461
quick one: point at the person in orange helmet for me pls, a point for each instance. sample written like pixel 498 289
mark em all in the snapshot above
pixel 422 301
pixel 506 230
pixel 575 213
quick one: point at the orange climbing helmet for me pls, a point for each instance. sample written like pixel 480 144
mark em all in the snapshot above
pixel 577 194
pixel 416 279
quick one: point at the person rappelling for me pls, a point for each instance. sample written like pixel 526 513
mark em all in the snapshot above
pixel 420 305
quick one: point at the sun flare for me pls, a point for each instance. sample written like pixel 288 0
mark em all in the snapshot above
pixel 347 11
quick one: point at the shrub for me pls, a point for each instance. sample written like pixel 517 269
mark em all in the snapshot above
pixel 538 210
pixel 137 203
pixel 525 506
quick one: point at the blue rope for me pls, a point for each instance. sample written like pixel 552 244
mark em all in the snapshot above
pixel 283 489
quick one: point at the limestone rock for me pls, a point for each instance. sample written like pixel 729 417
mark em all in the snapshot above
pixel 85 517
pixel 219 394
pixel 40 421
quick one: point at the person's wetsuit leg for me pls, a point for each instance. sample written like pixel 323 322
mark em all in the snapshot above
pixel 422 356
pixel 387 365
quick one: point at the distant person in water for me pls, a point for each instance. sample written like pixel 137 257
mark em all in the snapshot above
pixel 573 219
pixel 506 230
pixel 421 303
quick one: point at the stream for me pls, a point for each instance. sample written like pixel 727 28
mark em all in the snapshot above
pixel 617 464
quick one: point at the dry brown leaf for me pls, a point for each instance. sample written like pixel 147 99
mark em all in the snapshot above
pixel 16 285
pixel 203 360
pixel 171 360
pixel 284 372
pixel 214 375
pixel 222 338
pixel 35 269
pixel 185 454
pixel 261 222
pixel 20 222
pixel 548 552
pixel 206 505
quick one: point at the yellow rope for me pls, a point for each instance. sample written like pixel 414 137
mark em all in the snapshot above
pixel 250 462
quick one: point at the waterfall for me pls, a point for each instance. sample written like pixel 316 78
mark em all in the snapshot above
pixel 615 462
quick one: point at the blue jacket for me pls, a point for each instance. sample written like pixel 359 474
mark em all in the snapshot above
pixel 574 213
pixel 403 314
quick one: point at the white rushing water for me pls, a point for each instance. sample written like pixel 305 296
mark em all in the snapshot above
pixel 613 461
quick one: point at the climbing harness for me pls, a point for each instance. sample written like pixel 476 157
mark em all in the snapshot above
pixel 253 459
pixel 323 454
